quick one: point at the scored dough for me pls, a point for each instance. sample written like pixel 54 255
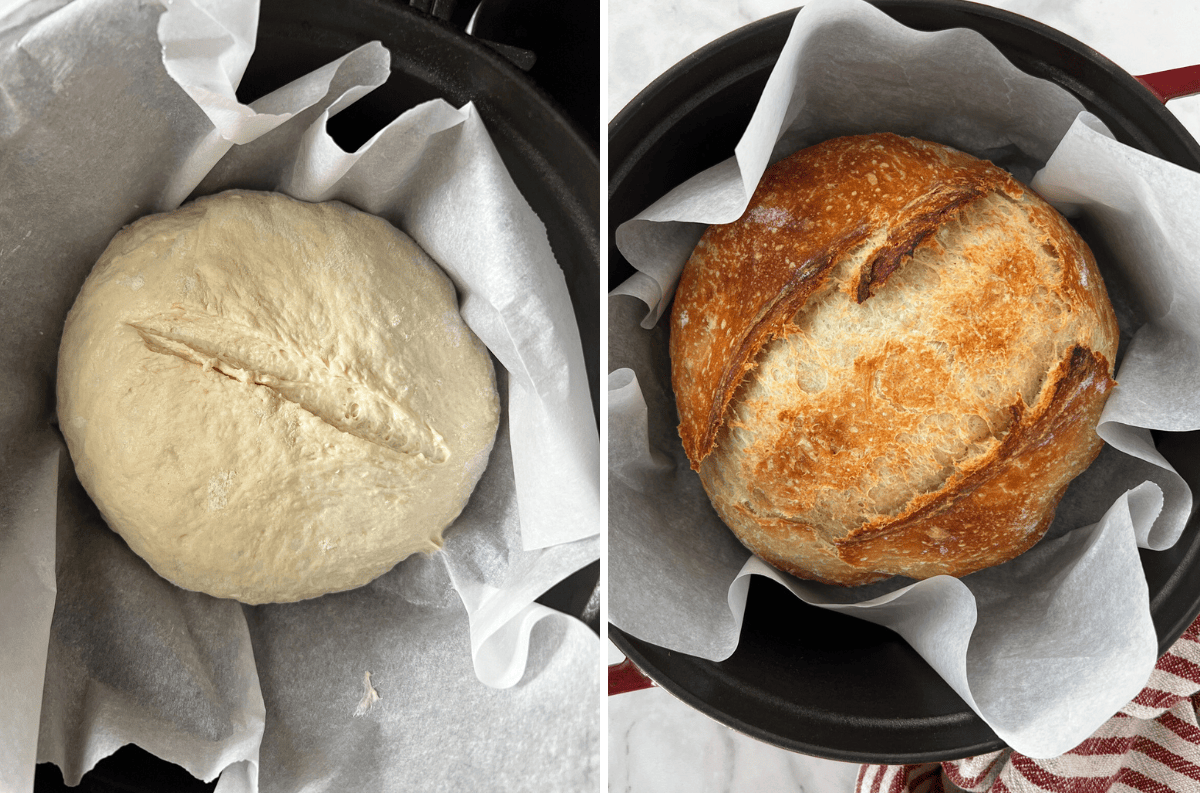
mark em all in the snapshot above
pixel 271 400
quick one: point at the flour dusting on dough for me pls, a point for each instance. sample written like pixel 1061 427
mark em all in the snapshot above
pixel 134 282
pixel 774 217
pixel 453 323
pixel 218 490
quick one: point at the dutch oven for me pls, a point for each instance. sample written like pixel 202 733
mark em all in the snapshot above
pixel 552 161
pixel 843 688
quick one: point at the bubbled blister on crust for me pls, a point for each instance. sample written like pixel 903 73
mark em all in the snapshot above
pixel 863 361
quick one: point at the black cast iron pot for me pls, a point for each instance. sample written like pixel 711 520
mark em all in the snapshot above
pixel 831 685
pixel 553 163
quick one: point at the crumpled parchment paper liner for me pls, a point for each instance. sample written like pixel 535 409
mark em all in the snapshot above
pixel 205 48
pixel 183 669
pixel 1044 648
pixel 94 133
pixel 27 588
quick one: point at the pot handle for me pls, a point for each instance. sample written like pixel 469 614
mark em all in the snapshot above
pixel 1173 83
pixel 625 677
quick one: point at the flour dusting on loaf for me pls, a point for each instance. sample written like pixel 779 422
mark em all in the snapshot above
pixel 271 400
pixel 892 364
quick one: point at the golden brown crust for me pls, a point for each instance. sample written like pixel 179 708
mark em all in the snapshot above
pixel 779 253
pixel 893 363
pixel 1002 505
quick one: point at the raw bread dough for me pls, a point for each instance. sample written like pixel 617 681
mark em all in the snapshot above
pixel 271 400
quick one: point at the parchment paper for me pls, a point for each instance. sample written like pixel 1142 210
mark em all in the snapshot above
pixel 1050 645
pixel 112 110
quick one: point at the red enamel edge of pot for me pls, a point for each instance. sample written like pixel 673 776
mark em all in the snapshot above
pixel 1173 83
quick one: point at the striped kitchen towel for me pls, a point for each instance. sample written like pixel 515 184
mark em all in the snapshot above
pixel 1152 745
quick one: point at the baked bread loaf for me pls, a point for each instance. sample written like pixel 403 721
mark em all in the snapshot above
pixel 892 364
pixel 271 400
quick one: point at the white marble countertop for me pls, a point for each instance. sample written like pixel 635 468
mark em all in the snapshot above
pixel 656 744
